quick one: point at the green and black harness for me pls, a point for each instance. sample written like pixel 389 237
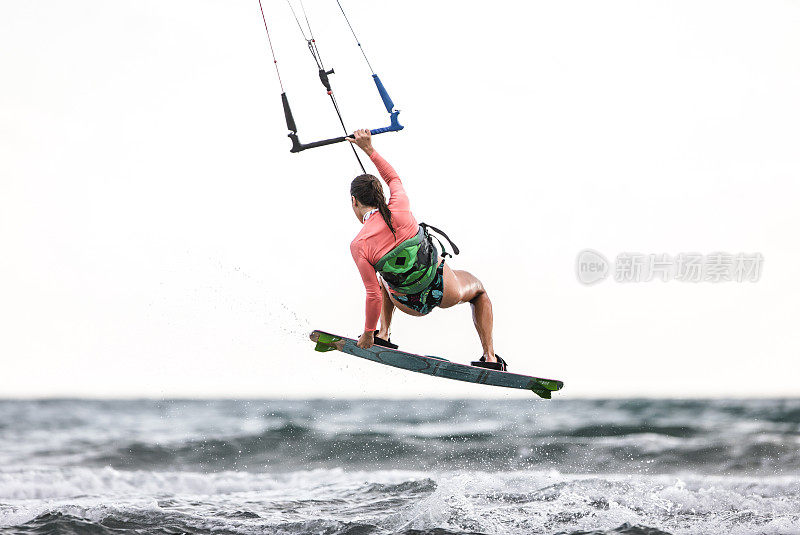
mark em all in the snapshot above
pixel 411 266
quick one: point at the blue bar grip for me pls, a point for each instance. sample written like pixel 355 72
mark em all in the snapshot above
pixel 395 125
pixel 387 100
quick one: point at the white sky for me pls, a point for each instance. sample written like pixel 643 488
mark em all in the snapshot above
pixel 157 238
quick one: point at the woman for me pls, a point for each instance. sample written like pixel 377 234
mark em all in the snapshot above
pixel 411 275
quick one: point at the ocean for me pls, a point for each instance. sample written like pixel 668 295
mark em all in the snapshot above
pixel 437 467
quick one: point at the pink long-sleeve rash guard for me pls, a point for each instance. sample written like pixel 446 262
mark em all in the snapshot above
pixel 375 238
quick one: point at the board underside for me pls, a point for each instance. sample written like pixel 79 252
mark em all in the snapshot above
pixel 435 365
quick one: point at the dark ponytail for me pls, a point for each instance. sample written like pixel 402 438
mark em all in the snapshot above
pixel 368 191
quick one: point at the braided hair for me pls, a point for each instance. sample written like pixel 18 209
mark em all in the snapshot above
pixel 368 190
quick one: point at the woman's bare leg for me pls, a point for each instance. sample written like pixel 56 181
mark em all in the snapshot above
pixel 387 310
pixel 459 287
pixel 464 287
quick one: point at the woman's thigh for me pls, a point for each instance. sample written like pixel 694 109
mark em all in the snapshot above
pixel 459 287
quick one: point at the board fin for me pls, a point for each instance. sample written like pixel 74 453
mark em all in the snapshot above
pixel 544 387
pixel 325 342
pixel 542 393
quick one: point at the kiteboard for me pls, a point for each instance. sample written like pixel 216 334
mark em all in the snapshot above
pixel 436 366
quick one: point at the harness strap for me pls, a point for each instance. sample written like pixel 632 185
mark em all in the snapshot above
pixel 436 230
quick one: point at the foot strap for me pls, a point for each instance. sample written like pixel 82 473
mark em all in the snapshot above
pixel 384 343
pixel 500 365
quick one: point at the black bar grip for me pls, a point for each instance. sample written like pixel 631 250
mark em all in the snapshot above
pixel 287 112
pixel 297 146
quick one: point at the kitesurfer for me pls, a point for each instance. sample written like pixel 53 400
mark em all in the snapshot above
pixel 411 275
